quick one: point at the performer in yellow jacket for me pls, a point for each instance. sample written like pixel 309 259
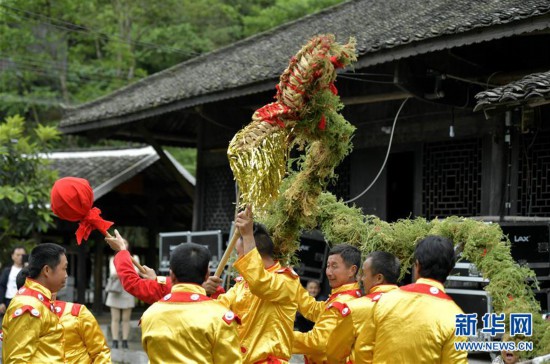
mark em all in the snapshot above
pixel 342 266
pixel 416 323
pixel 352 340
pixel 84 340
pixel 31 330
pixel 186 326
pixel 265 296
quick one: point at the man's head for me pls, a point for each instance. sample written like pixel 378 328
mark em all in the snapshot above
pixel 189 263
pixel 264 244
pixel 48 265
pixel 434 258
pixel 380 268
pixel 17 255
pixel 313 287
pixel 342 265
pixel 21 277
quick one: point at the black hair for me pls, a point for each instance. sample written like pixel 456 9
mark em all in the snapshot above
pixel 189 262
pixel 44 254
pixel 264 244
pixel 386 264
pixel 436 257
pixel 316 281
pixel 17 247
pixel 350 254
pixel 21 277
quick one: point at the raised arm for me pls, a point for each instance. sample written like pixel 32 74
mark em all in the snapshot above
pixel 310 308
pixel 149 291
pixel 263 284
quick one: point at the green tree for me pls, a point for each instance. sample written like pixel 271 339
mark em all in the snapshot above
pixel 25 181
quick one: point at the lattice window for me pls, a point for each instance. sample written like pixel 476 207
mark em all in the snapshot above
pixel 534 175
pixel 451 182
pixel 219 211
pixel 342 187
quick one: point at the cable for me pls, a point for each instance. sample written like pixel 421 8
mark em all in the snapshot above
pixel 345 76
pixel 385 159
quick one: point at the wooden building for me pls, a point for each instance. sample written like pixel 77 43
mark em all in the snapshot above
pixel 439 157
pixel 133 188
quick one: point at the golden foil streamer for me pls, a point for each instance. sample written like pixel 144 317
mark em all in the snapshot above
pixel 257 156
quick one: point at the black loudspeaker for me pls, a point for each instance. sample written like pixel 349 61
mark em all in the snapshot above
pixel 312 255
pixel 530 245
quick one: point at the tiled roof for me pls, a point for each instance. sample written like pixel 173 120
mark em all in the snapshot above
pixel 381 27
pixel 107 169
pixel 531 87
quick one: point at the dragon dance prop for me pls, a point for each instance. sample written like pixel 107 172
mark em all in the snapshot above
pixel 289 195
pixel 304 114
pixel 72 199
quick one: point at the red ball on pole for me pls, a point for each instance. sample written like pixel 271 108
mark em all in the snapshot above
pixel 72 199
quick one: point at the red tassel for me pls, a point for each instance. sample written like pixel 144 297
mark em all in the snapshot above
pixel 322 123
pixel 336 62
pixel 333 88
pixel 90 222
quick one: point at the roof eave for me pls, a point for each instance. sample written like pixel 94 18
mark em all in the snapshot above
pixel 265 85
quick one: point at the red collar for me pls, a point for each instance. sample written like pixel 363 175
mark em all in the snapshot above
pixel 60 308
pixel 426 289
pixel 185 297
pixel 352 292
pixel 26 291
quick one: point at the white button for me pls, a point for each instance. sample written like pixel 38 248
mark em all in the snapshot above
pixel 345 311
pixel 18 312
pixel 168 296
pixel 35 312
pixel 58 309
pixel 22 290
pixel 229 316
pixel 195 297
pixel 434 290
pixel 40 297
pixel 376 298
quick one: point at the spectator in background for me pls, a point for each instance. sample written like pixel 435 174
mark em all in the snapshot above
pixel 121 305
pixel 8 288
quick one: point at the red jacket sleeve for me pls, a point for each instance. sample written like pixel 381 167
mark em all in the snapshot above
pixel 147 290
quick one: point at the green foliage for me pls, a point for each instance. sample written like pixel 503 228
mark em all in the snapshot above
pixel 187 157
pixel 25 181
pixel 264 17
pixel 71 51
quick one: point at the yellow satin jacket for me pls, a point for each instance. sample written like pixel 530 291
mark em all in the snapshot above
pixel 188 327
pixel 31 330
pixel 352 340
pixel 416 324
pixel 314 343
pixel 265 299
pixel 84 340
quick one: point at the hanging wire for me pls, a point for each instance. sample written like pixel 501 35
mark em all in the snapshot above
pixel 385 159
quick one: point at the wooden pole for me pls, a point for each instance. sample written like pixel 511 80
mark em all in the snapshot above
pixel 136 264
pixel 227 252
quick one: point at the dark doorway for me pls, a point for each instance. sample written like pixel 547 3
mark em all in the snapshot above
pixel 400 189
